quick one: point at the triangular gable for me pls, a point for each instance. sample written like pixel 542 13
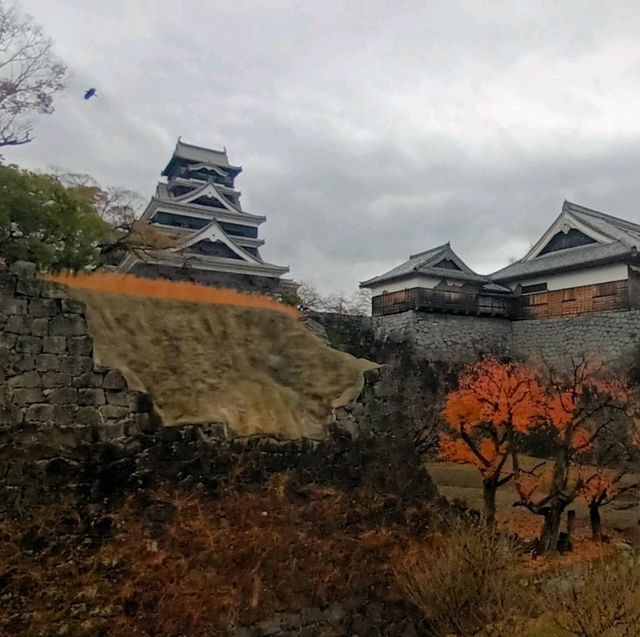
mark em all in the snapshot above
pixel 445 259
pixel 210 191
pixel 213 232
pixel 565 224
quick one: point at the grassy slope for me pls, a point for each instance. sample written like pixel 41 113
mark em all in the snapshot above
pixel 256 370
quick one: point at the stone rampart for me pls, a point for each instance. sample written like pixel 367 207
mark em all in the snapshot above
pixel 613 337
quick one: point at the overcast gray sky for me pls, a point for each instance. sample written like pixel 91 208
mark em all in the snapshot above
pixel 368 129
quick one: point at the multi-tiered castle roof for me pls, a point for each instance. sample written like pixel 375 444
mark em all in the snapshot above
pixel 208 233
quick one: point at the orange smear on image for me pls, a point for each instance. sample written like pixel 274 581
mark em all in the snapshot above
pixel 179 290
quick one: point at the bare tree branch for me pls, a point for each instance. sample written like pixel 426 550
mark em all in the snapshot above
pixel 29 75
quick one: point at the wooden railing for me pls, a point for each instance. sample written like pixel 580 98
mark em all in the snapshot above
pixel 448 301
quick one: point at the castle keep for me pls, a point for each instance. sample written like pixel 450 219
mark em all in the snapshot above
pixel 206 235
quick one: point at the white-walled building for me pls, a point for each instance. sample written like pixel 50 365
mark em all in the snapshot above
pixel 587 261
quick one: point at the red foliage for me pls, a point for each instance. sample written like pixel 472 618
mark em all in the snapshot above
pixel 494 400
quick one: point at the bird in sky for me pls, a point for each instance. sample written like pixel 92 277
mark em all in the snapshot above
pixel 90 93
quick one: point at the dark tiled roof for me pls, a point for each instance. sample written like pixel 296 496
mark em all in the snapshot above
pixel 201 155
pixel 591 254
pixel 425 263
pixel 622 237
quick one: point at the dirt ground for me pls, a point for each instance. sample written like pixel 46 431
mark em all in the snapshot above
pixel 463 482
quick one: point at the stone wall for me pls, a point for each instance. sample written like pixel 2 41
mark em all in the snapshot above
pixel 611 336
pixel 445 337
pixel 53 396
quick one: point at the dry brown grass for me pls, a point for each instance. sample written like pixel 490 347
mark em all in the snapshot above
pixel 243 554
pixel 600 600
pixel 464 582
pixel 254 370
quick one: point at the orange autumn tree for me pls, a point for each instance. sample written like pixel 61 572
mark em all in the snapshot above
pixel 600 489
pixel 583 406
pixel 494 402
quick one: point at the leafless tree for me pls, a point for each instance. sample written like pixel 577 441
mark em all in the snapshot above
pixel 356 304
pixel 29 74
pixel 117 206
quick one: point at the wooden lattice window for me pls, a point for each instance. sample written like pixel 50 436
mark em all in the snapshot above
pixel 606 289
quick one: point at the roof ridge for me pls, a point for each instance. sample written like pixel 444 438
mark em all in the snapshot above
pixel 431 250
pixel 213 150
pixel 569 206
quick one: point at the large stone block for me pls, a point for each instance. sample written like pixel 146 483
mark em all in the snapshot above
pixel 113 412
pixel 118 397
pixel 88 379
pixel 65 415
pixel 23 269
pixel 24 362
pixel 7 284
pixel 80 345
pixel 51 380
pixel 26 380
pixel 28 344
pixel 7 341
pixel 68 325
pixel 54 345
pixel 18 325
pixel 23 397
pixel 88 416
pixel 91 396
pixel 40 326
pixel 50 290
pixel 114 380
pixel 43 308
pixel 62 395
pixel 25 287
pixel 49 363
pixel 76 365
pixel 12 306
pixel 41 412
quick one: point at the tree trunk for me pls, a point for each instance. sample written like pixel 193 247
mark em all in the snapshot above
pixel 489 489
pixel 596 522
pixel 553 515
pixel 551 528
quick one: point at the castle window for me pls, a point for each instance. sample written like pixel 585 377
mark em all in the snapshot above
pixel 238 230
pixel 179 221
pixel 534 288
pixel 605 289
pixel 211 202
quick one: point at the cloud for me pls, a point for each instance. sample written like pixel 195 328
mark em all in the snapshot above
pixel 368 130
